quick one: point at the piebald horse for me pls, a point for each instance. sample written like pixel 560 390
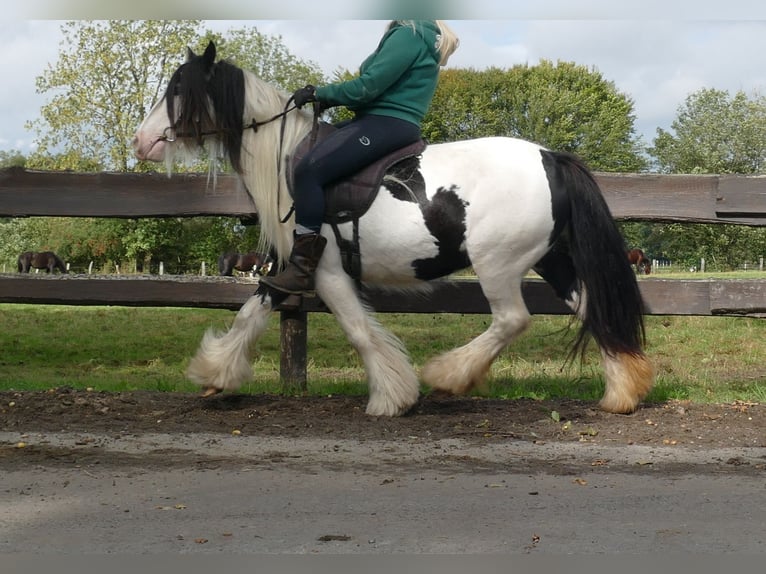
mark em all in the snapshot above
pixel 501 205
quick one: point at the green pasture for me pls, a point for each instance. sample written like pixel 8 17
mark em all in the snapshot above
pixel 702 359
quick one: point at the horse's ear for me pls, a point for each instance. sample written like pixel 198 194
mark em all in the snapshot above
pixel 189 54
pixel 209 55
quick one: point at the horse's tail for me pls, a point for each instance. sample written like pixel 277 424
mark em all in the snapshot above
pixel 614 307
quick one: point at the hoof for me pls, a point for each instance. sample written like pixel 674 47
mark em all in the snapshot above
pixel 210 391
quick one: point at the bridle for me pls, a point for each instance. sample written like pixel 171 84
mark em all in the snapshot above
pixel 170 135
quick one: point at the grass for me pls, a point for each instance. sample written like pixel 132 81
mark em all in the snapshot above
pixel 702 359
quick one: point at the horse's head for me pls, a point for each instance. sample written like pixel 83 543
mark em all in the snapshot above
pixel 646 265
pixel 203 99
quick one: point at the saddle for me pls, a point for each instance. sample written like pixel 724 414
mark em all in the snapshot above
pixel 349 199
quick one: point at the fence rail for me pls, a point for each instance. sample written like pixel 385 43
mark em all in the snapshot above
pixel 662 296
pixel 734 199
pixel 631 197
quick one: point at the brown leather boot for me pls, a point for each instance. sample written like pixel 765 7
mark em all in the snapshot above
pixel 298 277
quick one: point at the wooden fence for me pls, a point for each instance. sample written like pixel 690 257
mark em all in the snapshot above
pixel 631 197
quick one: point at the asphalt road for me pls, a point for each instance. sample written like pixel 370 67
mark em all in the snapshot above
pixel 153 494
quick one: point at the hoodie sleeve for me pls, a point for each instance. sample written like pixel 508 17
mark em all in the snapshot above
pixel 396 53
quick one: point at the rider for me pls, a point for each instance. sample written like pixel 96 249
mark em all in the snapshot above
pixel 389 99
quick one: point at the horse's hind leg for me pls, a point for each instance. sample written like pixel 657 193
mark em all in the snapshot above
pixel 391 379
pixel 629 375
pixel 223 360
pixel 463 368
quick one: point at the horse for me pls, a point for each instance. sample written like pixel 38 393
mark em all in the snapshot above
pixel 642 263
pixel 259 263
pixel 500 205
pixel 47 260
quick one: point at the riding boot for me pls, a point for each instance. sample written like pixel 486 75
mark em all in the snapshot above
pixel 298 277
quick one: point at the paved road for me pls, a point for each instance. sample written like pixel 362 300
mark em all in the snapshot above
pixel 212 493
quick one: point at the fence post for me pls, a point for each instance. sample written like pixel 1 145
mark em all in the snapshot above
pixel 293 329
pixel 760 264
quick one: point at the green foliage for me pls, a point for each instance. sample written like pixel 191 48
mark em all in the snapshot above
pixel 703 359
pixel 107 76
pixel 12 158
pixel 563 106
pixel 266 56
pixel 714 132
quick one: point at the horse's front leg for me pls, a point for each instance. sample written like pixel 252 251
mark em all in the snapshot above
pixel 224 359
pixel 392 381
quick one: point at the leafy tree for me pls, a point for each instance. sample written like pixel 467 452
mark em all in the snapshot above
pixel 265 56
pixel 562 106
pixel 107 76
pixel 12 158
pixel 714 132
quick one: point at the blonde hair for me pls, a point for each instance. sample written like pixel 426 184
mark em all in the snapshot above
pixel 447 39
pixel 448 42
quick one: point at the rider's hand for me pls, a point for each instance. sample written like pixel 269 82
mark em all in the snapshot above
pixel 304 95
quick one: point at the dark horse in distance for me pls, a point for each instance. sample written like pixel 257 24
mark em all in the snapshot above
pixel 47 260
pixel 642 263
pixel 245 262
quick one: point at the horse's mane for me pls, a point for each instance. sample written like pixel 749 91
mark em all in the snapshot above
pixel 259 155
pixel 223 83
pixel 264 161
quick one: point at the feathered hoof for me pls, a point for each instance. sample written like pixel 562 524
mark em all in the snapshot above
pixel 629 378
pixel 210 391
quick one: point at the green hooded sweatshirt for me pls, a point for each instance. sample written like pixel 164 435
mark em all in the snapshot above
pixel 398 79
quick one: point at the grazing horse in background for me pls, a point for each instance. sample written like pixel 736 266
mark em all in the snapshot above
pixel 47 260
pixel 258 263
pixel 642 263
pixel 501 205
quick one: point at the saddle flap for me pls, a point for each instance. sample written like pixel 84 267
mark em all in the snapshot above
pixel 351 197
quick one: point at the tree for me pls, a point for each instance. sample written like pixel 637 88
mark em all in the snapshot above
pixel 265 56
pixel 562 106
pixel 12 158
pixel 714 132
pixel 107 76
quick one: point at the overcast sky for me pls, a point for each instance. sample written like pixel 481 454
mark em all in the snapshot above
pixel 656 58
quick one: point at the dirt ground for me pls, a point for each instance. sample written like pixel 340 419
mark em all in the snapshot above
pixel 434 417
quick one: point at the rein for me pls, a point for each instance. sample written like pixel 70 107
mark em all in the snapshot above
pixel 170 135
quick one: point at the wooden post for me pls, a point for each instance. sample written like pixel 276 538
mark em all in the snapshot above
pixel 760 264
pixel 293 359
